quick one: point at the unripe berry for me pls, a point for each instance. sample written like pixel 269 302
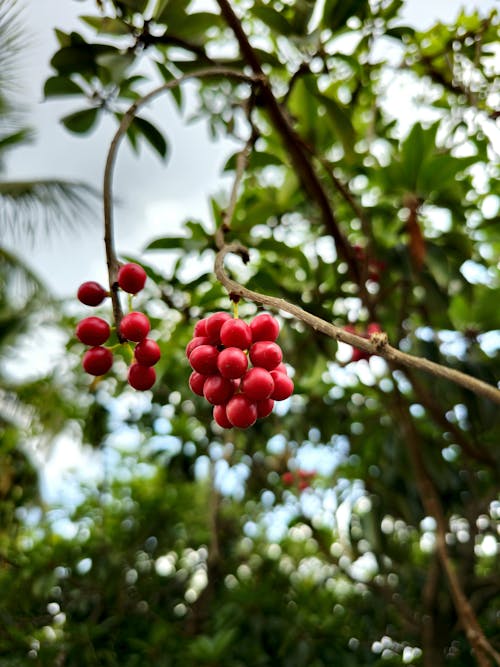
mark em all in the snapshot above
pixel 97 360
pixel 257 384
pixel 264 327
pixel 91 293
pixel 93 331
pixel 241 411
pixel 218 390
pixel 214 324
pixel 266 354
pixel 135 326
pixel 220 416
pixel 264 408
pixel 232 362
pixel 236 333
pixel 147 352
pixel 141 377
pixel 131 278
pixel 196 382
pixel 204 359
pixel 283 386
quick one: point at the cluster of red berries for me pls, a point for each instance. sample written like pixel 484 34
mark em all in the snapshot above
pixel 372 328
pixel 300 479
pixel 219 355
pixel 94 331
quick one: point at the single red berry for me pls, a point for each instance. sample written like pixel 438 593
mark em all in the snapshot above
pixel 214 324
pixel 373 327
pixel 236 333
pixel 97 360
pixel 218 390
pixel 307 474
pixel 264 327
pixel 91 293
pixel 93 331
pixel 196 382
pixel 135 326
pixel 287 478
pixel 358 355
pixel 281 368
pixel 257 384
pixel 232 362
pixel 241 411
pixel 147 352
pixel 200 328
pixel 196 342
pixel 141 377
pixel 266 354
pixel 220 416
pixel 264 408
pixel 302 485
pixel 283 386
pixel 131 278
pixel 204 359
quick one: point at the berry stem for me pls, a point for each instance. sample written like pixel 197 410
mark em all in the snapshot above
pixel 235 309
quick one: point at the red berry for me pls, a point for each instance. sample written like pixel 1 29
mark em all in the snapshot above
pixel 147 352
pixel 264 327
pixel 281 368
pixel 196 382
pixel 91 293
pixel 141 377
pixel 196 342
pixel 283 386
pixel 303 485
pixel 232 362
pixel 307 474
pixel 93 331
pixel 200 328
pixel 264 408
pixel 97 360
pixel 257 384
pixel 373 327
pixel 266 354
pixel 220 416
pixel 241 411
pixel 135 326
pixel 218 390
pixel 131 278
pixel 287 478
pixel 204 359
pixel 358 355
pixel 214 324
pixel 236 333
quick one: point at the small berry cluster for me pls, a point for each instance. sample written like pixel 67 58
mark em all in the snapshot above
pixel 94 331
pixel 219 355
pixel 301 479
pixel 357 354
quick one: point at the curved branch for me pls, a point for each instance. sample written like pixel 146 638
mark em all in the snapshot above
pixel 377 343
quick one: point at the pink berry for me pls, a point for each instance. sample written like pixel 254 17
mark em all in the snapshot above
pixel 283 386
pixel 97 360
pixel 93 331
pixel 147 352
pixel 264 327
pixel 131 278
pixel 204 359
pixel 218 390
pixel 91 293
pixel 236 333
pixel 196 382
pixel 232 362
pixel 241 411
pixel 196 342
pixel 266 354
pixel 265 407
pixel 200 328
pixel 257 384
pixel 214 324
pixel 135 326
pixel 220 416
pixel 141 377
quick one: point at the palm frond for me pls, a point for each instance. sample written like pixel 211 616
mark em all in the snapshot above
pixel 12 41
pixel 43 207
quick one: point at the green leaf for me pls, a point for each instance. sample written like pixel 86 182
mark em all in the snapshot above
pixel 116 64
pixel 336 12
pixel 106 24
pixel 58 86
pixel 273 19
pixel 135 5
pixel 81 121
pixel 258 160
pixel 151 134
pixel 341 124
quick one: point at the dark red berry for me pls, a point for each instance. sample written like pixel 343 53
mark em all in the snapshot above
pixel 200 328
pixel 241 411
pixel 266 354
pixel 236 333
pixel 141 377
pixel 196 342
pixel 196 382
pixel 232 362
pixel 265 407
pixel 218 390
pixel 135 326
pixel 264 327
pixel 131 278
pixel 220 416
pixel 214 324
pixel 257 384
pixel 287 478
pixel 147 352
pixel 283 386
pixel 91 293
pixel 358 355
pixel 97 360
pixel 204 359
pixel 93 331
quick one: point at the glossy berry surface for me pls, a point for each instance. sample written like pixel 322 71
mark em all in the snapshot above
pixel 257 384
pixel 141 377
pixel 266 354
pixel 220 416
pixel 197 382
pixel 147 352
pixel 214 325
pixel 232 362
pixel 196 342
pixel 204 359
pixel 236 333
pixel 135 326
pixel 218 390
pixel 283 386
pixel 93 331
pixel 91 293
pixel 97 360
pixel 200 328
pixel 241 411
pixel 131 278
pixel 264 327
pixel 264 408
